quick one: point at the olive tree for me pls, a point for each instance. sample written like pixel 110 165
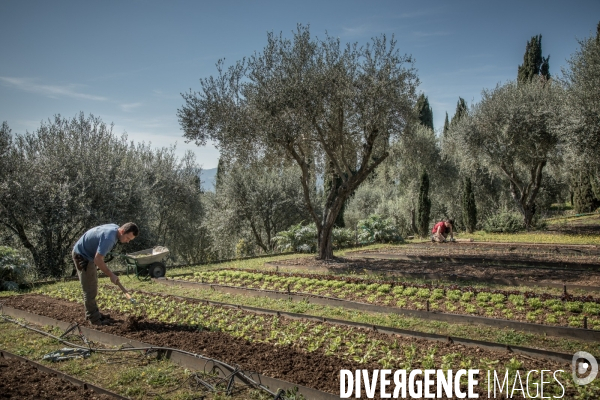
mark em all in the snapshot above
pixel 512 132
pixel 72 174
pixel 580 122
pixel 261 200
pixel 324 105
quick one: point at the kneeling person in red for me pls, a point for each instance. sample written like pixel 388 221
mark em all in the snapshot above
pixel 440 231
pixel 89 252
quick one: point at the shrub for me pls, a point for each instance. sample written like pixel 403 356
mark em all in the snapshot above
pixel 376 229
pixel 297 238
pixel 243 248
pixel 504 222
pixel 14 269
pixel 342 237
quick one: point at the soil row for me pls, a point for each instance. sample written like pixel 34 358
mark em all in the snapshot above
pixel 318 369
pixel 358 265
pixel 21 380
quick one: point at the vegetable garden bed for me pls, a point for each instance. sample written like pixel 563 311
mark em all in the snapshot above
pixel 303 352
pixel 395 265
pixel 532 254
pixel 463 302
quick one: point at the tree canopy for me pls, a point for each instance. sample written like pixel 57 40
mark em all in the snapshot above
pixel 316 102
pixel 534 65
pixel 424 111
pixel 72 174
pixel 512 131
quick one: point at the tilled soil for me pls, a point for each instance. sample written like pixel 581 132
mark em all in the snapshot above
pixel 314 369
pixel 507 252
pixel 19 380
pixel 358 264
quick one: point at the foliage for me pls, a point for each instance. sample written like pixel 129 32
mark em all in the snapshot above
pixel 14 269
pixel 424 112
pixel 504 222
pixel 377 229
pixel 584 199
pixel 253 202
pixel 243 249
pixel 424 206
pixel 461 111
pixel 343 237
pixel 580 111
pixel 534 65
pixel 446 126
pixel 72 174
pixel 469 207
pixel 512 132
pixel 410 295
pixel 309 101
pixel 301 238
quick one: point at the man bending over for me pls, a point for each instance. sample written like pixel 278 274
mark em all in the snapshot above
pixel 89 252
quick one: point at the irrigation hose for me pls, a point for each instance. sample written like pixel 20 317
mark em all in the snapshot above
pixel 236 370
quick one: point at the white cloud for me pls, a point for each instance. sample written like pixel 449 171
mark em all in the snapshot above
pixel 130 107
pixel 421 34
pixel 53 91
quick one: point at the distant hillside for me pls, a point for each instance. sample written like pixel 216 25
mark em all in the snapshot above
pixel 207 176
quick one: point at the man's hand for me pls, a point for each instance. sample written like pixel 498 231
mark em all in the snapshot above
pixel 114 278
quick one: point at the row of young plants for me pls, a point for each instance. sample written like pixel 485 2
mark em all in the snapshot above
pixel 565 310
pixel 354 344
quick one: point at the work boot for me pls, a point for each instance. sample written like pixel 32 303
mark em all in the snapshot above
pixel 101 321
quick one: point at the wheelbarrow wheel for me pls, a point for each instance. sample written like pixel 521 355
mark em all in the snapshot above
pixel 157 270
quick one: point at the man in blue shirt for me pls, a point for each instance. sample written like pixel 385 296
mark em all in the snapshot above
pixel 89 252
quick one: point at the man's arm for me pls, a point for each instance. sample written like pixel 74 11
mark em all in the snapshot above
pixel 99 261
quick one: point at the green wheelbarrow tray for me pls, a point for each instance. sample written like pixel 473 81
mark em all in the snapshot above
pixel 146 263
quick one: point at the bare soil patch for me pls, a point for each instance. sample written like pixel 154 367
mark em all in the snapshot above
pixel 460 266
pixel 19 380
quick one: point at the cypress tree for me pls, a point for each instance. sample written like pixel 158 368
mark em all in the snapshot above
pixel 220 175
pixel 469 208
pixel 424 206
pixel 446 125
pixel 461 111
pixel 424 111
pixel 583 196
pixel 533 62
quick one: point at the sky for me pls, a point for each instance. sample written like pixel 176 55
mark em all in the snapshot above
pixel 128 61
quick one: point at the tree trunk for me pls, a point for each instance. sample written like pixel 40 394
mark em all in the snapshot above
pixel 413 224
pixel 330 212
pixel 524 195
pixel 325 245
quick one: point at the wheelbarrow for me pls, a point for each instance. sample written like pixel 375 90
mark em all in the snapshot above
pixel 147 263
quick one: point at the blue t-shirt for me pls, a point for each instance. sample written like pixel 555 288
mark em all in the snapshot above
pixel 100 239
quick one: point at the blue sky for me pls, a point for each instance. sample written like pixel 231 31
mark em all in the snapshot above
pixel 128 61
